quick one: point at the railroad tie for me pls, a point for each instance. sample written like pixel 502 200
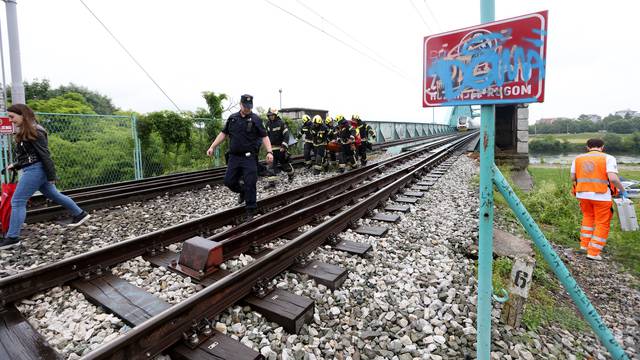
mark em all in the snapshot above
pixel 329 275
pixel 371 230
pixel 289 310
pixel 352 247
pixel 19 340
pixel 392 218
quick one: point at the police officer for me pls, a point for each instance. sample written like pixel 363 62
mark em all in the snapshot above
pixel 366 132
pixel 243 128
pixel 278 133
pixel 319 133
pixel 345 135
pixel 305 132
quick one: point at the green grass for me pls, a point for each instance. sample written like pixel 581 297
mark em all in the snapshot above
pixel 580 138
pixel 559 215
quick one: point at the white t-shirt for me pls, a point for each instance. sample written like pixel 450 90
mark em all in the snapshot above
pixel 612 166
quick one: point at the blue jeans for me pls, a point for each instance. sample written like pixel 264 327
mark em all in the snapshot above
pixel 33 178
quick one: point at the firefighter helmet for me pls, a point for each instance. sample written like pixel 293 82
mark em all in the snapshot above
pixel 328 120
pixel 305 118
pixel 339 118
pixel 355 117
pixel 272 111
pixel 317 119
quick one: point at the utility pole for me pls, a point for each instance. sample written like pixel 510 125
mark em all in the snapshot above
pixel 280 91
pixel 17 89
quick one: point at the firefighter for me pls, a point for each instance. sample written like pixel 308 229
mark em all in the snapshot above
pixel 305 134
pixel 278 133
pixel 366 133
pixel 331 145
pixel 595 181
pixel 345 136
pixel 319 133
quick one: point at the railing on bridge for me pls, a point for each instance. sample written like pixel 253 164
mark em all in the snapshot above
pixel 99 149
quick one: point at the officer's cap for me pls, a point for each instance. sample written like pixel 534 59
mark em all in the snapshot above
pixel 247 101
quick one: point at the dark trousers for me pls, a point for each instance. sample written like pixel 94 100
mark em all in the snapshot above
pixel 308 149
pixel 280 162
pixel 346 156
pixel 362 153
pixel 319 151
pixel 240 166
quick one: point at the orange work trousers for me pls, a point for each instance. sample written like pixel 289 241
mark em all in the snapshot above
pixel 596 221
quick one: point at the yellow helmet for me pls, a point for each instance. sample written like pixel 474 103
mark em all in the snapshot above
pixel 317 119
pixel 355 117
pixel 328 120
pixel 305 118
pixel 339 118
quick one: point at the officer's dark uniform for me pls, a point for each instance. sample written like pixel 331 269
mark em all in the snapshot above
pixel 365 132
pixel 319 134
pixel 305 130
pixel 278 133
pixel 243 133
pixel 345 135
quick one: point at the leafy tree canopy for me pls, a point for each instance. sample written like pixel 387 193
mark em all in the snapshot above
pixel 69 103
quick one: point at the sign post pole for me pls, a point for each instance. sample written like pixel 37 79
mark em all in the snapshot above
pixel 485 247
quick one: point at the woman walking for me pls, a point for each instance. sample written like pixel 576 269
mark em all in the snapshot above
pixel 38 173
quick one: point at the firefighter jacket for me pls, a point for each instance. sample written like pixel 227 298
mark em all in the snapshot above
pixel 305 131
pixel 345 134
pixel 319 134
pixel 278 133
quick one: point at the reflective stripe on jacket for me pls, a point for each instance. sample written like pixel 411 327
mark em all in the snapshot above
pixel 591 173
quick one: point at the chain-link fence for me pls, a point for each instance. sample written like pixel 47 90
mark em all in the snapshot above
pixel 90 149
pixel 100 149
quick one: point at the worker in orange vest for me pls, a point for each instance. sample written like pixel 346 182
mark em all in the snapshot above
pixel 595 181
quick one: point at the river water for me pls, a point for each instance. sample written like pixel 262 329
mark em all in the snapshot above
pixel 568 158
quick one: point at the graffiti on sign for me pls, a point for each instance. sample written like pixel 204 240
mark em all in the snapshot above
pixel 493 63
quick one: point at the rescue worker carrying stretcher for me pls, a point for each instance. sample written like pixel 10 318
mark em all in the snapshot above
pixel 332 146
pixel 365 131
pixel 345 136
pixel 595 181
pixel 319 134
pixel 305 134
pixel 278 133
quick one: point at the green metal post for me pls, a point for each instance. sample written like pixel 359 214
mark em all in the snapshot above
pixel 485 249
pixel 550 256
pixel 217 156
pixel 137 151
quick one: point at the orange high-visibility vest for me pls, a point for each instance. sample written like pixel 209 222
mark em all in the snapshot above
pixel 591 173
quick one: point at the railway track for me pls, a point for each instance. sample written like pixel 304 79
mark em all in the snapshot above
pixel 108 195
pixel 158 326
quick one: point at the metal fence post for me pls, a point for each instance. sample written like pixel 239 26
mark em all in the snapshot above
pixel 137 151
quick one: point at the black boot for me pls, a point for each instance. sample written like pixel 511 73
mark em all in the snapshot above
pixel 251 213
pixel 241 198
pixel 8 243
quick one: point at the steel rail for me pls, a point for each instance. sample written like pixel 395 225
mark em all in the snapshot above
pixel 167 328
pixel 29 282
pixel 122 193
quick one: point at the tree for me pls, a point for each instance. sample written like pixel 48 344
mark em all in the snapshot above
pixel 214 102
pixel 613 142
pixel 173 128
pixel 620 127
pixel 101 104
pixel 70 103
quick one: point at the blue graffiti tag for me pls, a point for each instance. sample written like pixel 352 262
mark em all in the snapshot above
pixel 490 63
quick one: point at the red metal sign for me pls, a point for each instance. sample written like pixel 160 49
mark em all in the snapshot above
pixel 493 63
pixel 6 127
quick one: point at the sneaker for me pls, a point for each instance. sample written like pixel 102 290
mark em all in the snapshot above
pixel 8 243
pixel 240 198
pixel 79 219
pixel 595 258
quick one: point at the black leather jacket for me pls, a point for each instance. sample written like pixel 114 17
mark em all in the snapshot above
pixel 30 152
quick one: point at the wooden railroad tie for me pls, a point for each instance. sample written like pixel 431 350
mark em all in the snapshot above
pixel 19 340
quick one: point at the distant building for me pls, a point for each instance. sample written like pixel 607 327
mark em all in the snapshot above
pixel 591 117
pixel 624 113
pixel 298 113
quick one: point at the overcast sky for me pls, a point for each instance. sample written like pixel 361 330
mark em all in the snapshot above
pixel 251 46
